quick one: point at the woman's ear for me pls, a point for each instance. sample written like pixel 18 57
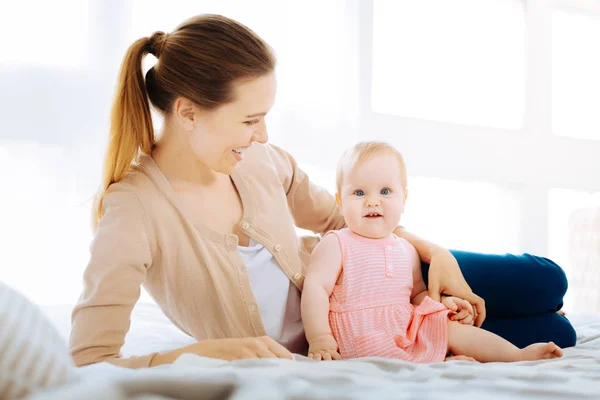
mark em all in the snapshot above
pixel 185 113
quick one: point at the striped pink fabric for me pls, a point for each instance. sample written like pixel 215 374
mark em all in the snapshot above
pixel 370 311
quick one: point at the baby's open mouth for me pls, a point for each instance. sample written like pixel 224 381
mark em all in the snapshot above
pixel 373 215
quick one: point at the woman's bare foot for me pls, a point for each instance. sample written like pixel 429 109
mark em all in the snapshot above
pixel 460 358
pixel 540 351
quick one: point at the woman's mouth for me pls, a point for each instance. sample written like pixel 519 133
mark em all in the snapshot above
pixel 239 153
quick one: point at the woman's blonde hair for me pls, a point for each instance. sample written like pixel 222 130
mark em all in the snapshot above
pixel 199 60
pixel 362 152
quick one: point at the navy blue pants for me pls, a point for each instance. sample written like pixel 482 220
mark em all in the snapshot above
pixel 522 294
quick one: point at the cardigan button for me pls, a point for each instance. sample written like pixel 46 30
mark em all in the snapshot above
pixel 277 247
pixel 245 225
pixel 297 276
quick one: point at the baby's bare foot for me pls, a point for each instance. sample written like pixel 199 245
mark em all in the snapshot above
pixel 540 351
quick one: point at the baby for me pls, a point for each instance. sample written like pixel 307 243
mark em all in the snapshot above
pixel 364 293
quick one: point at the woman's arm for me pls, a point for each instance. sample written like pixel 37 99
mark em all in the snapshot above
pixel 445 276
pixel 120 255
pixel 425 248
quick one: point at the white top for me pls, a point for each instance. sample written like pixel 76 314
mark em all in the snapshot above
pixel 277 298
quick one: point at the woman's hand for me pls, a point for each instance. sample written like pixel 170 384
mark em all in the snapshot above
pixel 445 277
pixel 228 349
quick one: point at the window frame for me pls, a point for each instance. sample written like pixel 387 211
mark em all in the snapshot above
pixel 531 160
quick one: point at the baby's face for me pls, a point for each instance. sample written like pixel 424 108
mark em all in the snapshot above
pixel 372 197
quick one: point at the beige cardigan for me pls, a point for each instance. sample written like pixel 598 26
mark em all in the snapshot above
pixel 194 273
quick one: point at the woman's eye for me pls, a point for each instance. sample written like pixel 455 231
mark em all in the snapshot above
pixel 253 122
pixel 359 193
pixel 385 192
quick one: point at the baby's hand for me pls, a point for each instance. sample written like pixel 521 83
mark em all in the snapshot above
pixel 323 347
pixel 462 310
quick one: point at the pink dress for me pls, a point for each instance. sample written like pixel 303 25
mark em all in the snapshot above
pixel 370 311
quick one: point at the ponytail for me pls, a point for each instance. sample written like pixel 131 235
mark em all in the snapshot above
pixel 131 127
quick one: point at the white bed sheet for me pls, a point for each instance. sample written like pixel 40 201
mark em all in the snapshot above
pixel 575 376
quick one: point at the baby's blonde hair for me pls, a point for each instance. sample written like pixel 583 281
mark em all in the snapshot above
pixel 364 151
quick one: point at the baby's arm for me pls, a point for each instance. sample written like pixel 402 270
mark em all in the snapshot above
pixel 419 291
pixel 323 271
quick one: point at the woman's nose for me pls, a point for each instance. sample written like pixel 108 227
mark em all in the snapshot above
pixel 261 135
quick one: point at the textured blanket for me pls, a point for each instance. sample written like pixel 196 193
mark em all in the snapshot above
pixel 575 376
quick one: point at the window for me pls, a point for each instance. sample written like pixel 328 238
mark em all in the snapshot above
pixel 428 93
pixel 456 61
pixel 471 216
pixel 575 77
pixel 47 33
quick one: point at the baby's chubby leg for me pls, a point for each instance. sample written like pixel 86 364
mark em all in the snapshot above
pixel 485 346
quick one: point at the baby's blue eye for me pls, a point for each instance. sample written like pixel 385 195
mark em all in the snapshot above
pixel 385 192
pixel 359 192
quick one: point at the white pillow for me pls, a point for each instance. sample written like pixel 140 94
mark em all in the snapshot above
pixel 33 355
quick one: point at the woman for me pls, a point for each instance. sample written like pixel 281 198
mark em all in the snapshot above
pixel 204 215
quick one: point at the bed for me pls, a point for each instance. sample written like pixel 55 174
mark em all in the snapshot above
pixel 575 376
